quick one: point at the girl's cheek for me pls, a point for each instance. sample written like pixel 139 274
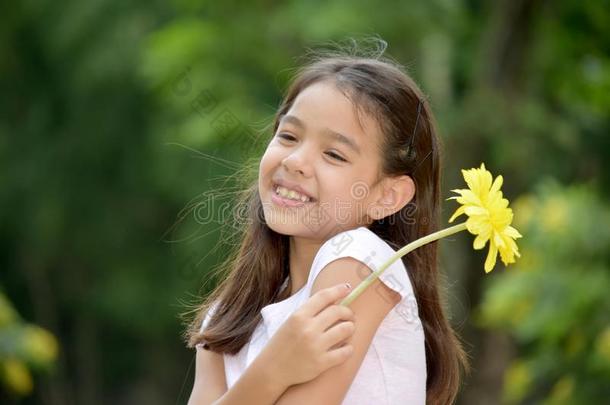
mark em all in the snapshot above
pixel 272 153
pixel 269 155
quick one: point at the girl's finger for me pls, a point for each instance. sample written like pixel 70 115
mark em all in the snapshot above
pixel 333 314
pixel 338 356
pixel 324 298
pixel 338 333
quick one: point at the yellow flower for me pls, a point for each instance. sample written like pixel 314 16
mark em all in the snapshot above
pixel 489 217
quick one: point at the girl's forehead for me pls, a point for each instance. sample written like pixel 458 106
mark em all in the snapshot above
pixel 323 107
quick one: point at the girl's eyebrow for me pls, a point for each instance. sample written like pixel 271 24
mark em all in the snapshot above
pixel 326 131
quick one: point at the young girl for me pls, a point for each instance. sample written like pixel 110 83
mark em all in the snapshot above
pixel 349 176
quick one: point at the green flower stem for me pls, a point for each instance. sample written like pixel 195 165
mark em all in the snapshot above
pixel 403 251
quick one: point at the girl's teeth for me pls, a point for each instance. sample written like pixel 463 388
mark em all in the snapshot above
pixel 291 194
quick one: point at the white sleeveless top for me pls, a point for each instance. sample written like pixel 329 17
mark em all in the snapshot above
pixel 394 368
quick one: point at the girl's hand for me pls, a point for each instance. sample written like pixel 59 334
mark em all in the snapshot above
pixel 313 339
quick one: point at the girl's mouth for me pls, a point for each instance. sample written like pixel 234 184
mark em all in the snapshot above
pixel 286 198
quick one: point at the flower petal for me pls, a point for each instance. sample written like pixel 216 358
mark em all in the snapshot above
pixel 512 232
pixel 479 242
pixel 457 213
pixel 490 262
pixel 471 210
pixel 497 184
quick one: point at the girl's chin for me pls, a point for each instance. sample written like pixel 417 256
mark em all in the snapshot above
pixel 287 229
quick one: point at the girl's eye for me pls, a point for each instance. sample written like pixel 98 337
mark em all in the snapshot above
pixel 287 137
pixel 291 138
pixel 335 156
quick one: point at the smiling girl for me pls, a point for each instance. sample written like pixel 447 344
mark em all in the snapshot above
pixel 350 174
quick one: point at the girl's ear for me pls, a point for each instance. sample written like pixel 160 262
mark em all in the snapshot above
pixel 396 193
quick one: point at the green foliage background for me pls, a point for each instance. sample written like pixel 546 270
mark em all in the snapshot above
pixel 115 116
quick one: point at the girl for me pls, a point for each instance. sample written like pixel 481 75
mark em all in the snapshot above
pixel 350 175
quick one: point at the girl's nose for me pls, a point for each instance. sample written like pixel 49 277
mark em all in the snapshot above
pixel 297 162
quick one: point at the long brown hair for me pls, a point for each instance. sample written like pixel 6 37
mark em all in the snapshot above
pixel 258 267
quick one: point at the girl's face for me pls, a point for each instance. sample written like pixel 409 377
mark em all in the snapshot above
pixel 321 148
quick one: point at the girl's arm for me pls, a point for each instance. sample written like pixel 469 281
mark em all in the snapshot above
pixel 257 385
pixel 210 383
pixel 370 308
pixel 300 350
